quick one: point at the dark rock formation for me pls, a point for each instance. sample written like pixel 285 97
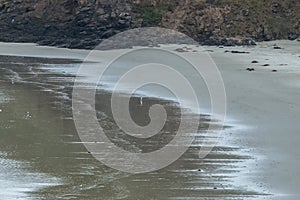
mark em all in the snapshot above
pixel 85 23
pixel 217 41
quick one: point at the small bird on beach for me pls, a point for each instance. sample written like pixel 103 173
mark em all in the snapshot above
pixel 141 101
pixel 27 116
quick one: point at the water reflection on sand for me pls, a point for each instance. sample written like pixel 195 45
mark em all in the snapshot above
pixel 38 136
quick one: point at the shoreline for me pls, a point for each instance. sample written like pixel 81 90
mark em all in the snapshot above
pixel 211 42
pixel 217 167
pixel 254 99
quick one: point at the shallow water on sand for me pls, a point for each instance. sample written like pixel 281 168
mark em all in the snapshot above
pixel 43 157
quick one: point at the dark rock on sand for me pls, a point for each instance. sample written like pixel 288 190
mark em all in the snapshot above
pixel 238 52
pixel 254 61
pixel 266 65
pixel 292 36
pixel 277 47
pixel 181 50
pixel 250 69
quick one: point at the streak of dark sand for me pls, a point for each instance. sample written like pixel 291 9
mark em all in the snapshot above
pixel 57 149
pixel 35 60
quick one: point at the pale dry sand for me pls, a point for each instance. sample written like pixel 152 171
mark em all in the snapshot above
pixel 263 106
pixel 268 105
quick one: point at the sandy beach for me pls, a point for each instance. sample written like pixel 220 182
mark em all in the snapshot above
pixel 257 156
pixel 267 104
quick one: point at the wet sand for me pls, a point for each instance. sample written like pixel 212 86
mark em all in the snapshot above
pixel 37 128
pixel 247 163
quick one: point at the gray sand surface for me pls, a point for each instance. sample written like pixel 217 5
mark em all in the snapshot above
pixel 263 106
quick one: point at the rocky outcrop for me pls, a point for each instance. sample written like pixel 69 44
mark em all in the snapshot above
pixel 64 23
pixel 85 23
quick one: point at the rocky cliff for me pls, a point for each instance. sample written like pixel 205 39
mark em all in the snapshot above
pixel 84 23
